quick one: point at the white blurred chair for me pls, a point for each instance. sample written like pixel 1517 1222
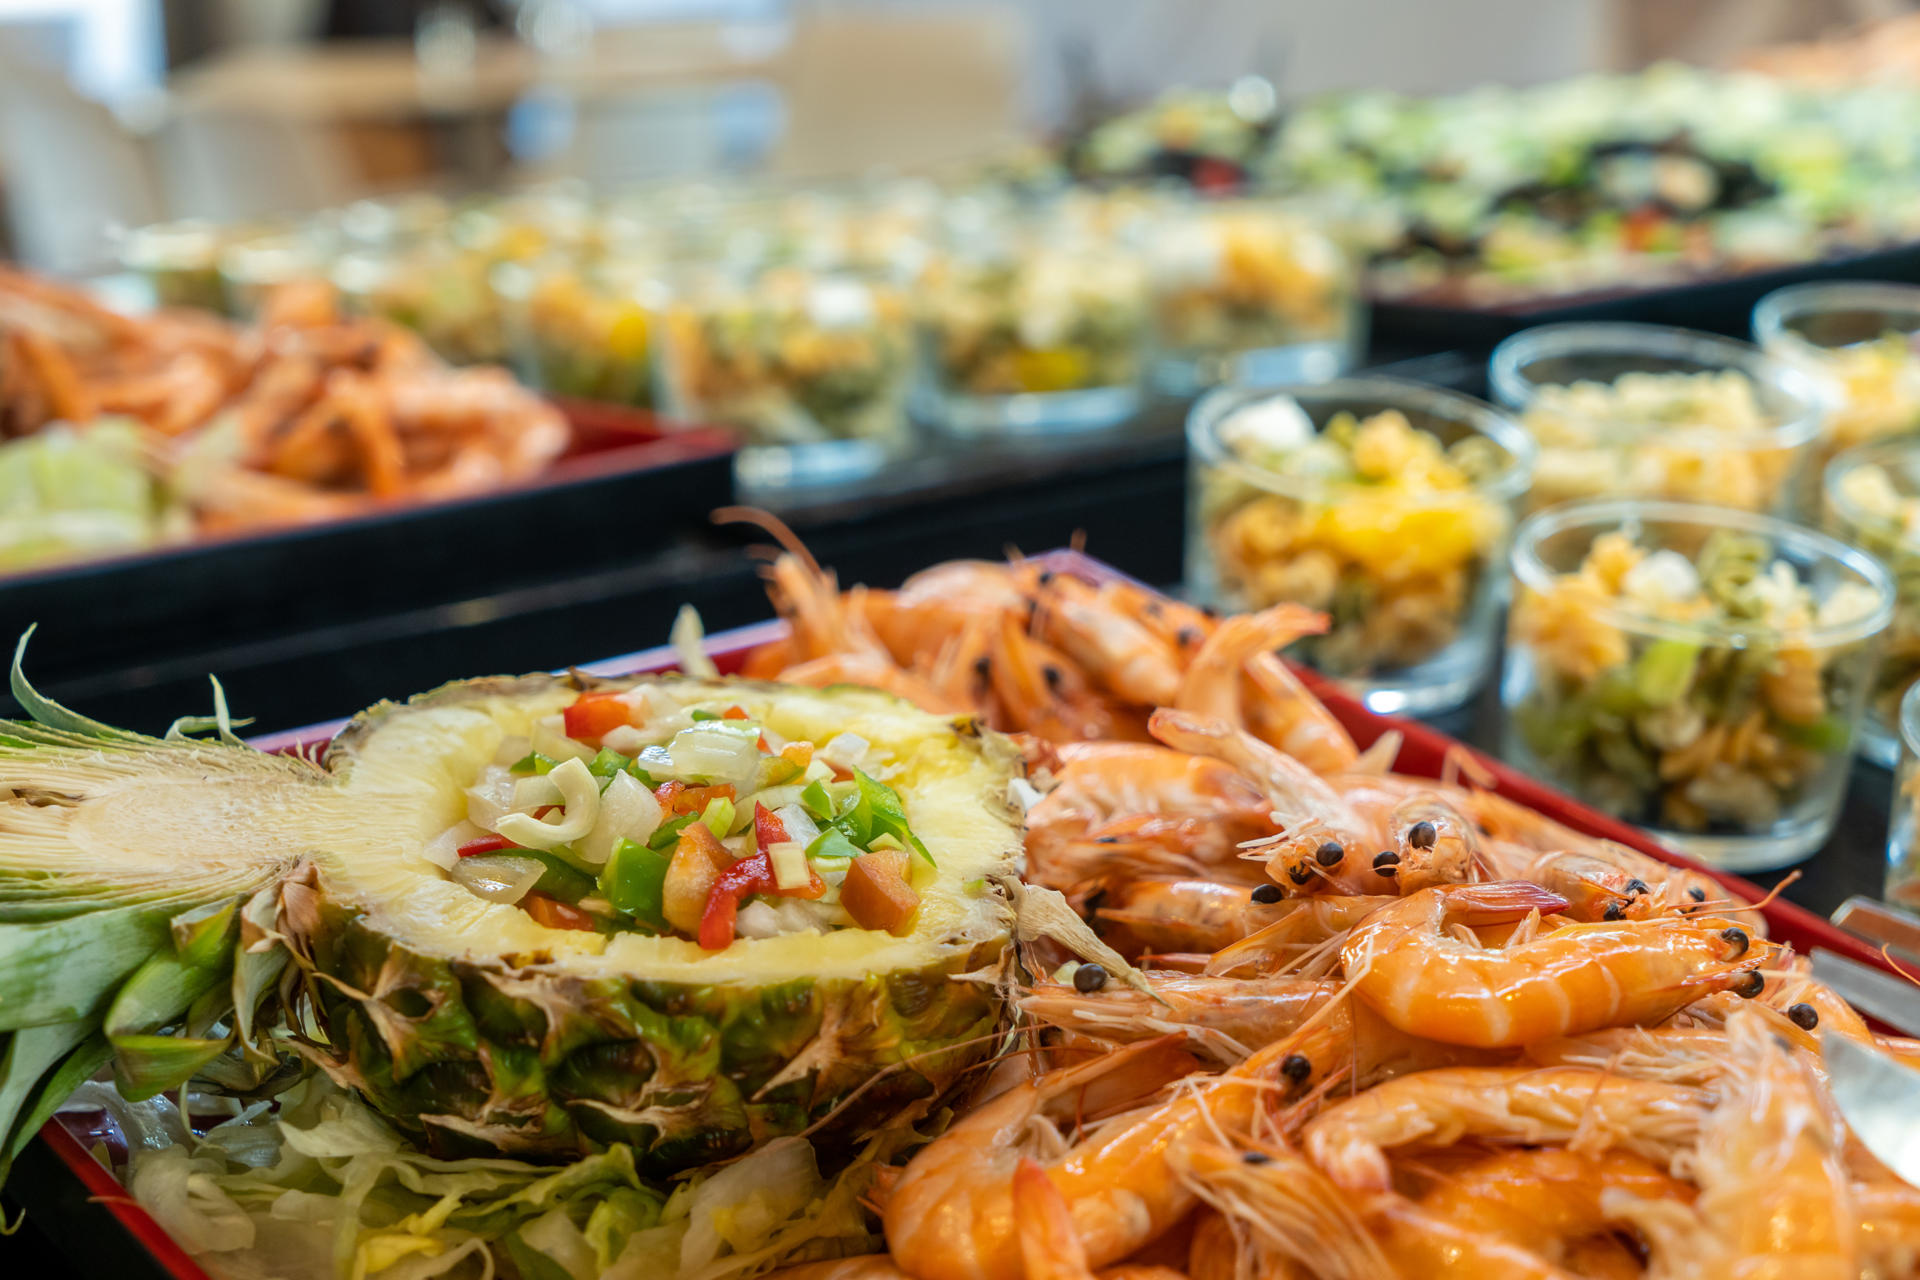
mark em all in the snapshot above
pixel 225 164
pixel 877 88
pixel 73 173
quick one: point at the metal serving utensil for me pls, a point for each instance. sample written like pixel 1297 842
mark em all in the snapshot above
pixel 1881 1102
pixel 1893 1000
pixel 1877 922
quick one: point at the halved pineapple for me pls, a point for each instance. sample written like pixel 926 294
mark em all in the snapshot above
pixel 465 1021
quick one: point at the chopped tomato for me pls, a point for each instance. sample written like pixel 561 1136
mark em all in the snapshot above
pixel 876 893
pixel 593 715
pixel 485 844
pixel 798 754
pixel 678 797
pixel 553 913
pixel 735 713
pixel 738 883
pixel 698 860
pixel 767 829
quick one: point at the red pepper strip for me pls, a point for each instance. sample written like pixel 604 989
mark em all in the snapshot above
pixel 594 715
pixel 767 829
pixel 554 914
pixel 738 883
pixel 546 809
pixel 485 844
pixel 678 797
pixel 735 713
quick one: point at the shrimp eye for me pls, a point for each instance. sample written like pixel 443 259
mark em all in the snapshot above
pixel 1296 1067
pixel 1737 939
pixel 1266 894
pixel 1749 984
pixel 1329 854
pixel 1053 676
pixel 1255 1157
pixel 1089 978
pixel 1046 576
pixel 1187 636
pixel 1421 835
pixel 1385 858
pixel 1208 611
pixel 983 666
pixel 1300 874
pixel 1697 894
pixel 1803 1016
pixel 1615 909
pixel 1637 886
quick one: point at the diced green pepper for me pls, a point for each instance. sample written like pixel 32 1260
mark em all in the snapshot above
pixel 534 762
pixel 698 715
pixel 718 815
pixel 1664 672
pixel 887 816
pixel 607 764
pixel 833 843
pixel 633 880
pixel 818 804
pixel 1614 692
pixel 667 834
pixel 562 878
pixel 1827 734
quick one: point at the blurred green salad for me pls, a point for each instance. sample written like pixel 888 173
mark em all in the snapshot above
pixel 68 494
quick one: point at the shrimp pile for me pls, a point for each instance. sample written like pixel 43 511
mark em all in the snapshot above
pixel 1379 1025
pixel 307 416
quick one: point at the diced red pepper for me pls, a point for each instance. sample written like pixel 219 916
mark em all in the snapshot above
pixel 767 829
pixel 546 809
pixel 738 883
pixel 735 713
pixel 593 715
pixel 678 797
pixel 876 893
pixel 485 844
pixel 554 914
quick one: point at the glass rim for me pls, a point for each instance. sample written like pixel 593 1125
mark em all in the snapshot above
pixel 1212 410
pixel 1773 313
pixel 1607 514
pixel 1514 391
pixel 1909 718
pixel 1871 453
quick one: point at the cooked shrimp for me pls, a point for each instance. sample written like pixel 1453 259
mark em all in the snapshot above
pixel 1588 1110
pixel 1547 1199
pixel 1049 1246
pixel 1327 843
pixel 872 1266
pixel 1889 1235
pixel 1411 966
pixel 1225 1019
pixel 1775 1200
pixel 1041 692
pixel 1303 924
pixel 1214 1251
pixel 1432 845
pixel 1677 1055
pixel 1287 1219
pixel 1117 652
pixel 1292 720
pixel 1286 714
pixel 1184 915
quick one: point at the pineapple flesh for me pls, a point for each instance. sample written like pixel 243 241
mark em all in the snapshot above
pixel 471 1026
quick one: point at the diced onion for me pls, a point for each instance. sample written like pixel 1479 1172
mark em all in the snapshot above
pixel 789 862
pixel 1023 794
pixel 531 792
pixel 497 877
pixel 443 851
pixel 797 821
pixel 491 795
pixel 628 811
pixel 706 750
pixel 845 749
pixel 775 797
pixel 757 920
pixel 625 739
pixel 818 770
pixel 687 637
pixel 550 740
pixel 581 793
pixel 513 749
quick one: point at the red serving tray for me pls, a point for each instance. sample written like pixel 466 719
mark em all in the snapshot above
pixel 1423 752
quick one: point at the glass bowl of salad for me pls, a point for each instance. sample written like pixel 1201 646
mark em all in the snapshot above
pixel 1385 504
pixel 435 287
pixel 583 329
pixel 1859 338
pixel 1030 332
pixel 1903 839
pixel 1696 670
pixel 1645 411
pixel 811 365
pixel 1248 291
pixel 253 266
pixel 1873 503
pixel 180 262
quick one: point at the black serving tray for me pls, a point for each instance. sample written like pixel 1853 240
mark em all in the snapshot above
pixel 1720 304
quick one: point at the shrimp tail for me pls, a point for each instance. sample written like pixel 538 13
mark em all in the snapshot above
pixel 1501 902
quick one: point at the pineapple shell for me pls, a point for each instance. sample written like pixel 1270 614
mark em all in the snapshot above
pixel 469 1025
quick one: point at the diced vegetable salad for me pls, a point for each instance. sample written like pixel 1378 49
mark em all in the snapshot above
pixel 625 814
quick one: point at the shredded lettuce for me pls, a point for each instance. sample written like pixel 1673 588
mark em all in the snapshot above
pixel 325 1190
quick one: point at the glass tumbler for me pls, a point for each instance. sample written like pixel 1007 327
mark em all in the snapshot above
pixel 1385 504
pixel 1873 503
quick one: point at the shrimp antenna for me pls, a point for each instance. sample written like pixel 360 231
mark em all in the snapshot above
pixel 773 525
pixel 1897 967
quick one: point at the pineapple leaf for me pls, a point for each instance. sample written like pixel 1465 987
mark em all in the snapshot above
pixel 160 992
pixel 221 722
pixel 46 711
pixel 74 1070
pixel 67 969
pixel 31 1052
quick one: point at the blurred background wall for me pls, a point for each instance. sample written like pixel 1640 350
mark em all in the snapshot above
pixel 119 112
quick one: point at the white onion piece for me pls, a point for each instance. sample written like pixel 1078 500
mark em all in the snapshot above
pixel 550 740
pixel 845 749
pixel 757 920
pixel 625 739
pixel 530 792
pixel 797 916
pixel 491 795
pixel 774 797
pixel 443 851
pixel 706 750
pixel 800 825
pixel 580 791
pixel 513 749
pixel 628 811
pixel 687 637
pixel 497 877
